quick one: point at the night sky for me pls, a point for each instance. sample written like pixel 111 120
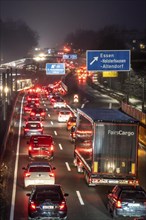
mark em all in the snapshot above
pixel 54 19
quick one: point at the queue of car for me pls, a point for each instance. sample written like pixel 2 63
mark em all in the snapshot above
pixel 47 199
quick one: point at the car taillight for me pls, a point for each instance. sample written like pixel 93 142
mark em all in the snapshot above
pixel 26 129
pixel 27 174
pixel 32 113
pixel 73 134
pixel 33 206
pixel 43 113
pixel 62 206
pixel 30 147
pixel 52 147
pixel 40 129
pixel 51 174
pixel 118 204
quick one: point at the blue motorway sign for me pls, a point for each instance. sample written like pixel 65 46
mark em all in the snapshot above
pixel 70 56
pixel 108 60
pixel 55 68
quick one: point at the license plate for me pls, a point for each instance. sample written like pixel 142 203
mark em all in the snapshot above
pixel 36 148
pixel 48 207
pixel 37 114
pixel 113 181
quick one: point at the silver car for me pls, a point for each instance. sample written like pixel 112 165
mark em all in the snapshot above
pixel 38 173
pixel 33 129
pixel 127 201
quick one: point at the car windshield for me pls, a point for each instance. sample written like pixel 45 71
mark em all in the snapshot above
pixel 39 169
pixel 52 195
pixel 64 113
pixel 73 119
pixel 42 140
pixel 133 195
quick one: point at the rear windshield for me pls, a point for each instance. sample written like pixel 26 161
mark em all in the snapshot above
pixel 39 169
pixel 133 195
pixel 51 194
pixel 64 113
pixel 42 140
pixel 38 110
pixel 73 119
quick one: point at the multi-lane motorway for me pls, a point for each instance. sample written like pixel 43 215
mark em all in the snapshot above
pixel 88 203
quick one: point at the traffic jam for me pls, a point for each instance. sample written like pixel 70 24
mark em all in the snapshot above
pixel 47 199
pixel 46 196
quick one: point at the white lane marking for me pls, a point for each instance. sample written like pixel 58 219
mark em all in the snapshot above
pixel 48 115
pixel 55 132
pixel 82 105
pixel 68 167
pixel 52 123
pixel 60 146
pixel 80 198
pixel 16 166
pixel 44 104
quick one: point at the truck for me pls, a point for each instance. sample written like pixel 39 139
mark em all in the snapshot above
pixel 106 146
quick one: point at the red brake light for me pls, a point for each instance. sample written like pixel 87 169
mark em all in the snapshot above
pixel 30 147
pixel 62 205
pixel 40 129
pixel 26 129
pixel 51 174
pixel 43 113
pixel 33 206
pixel 32 113
pixel 27 174
pixel 52 147
pixel 118 204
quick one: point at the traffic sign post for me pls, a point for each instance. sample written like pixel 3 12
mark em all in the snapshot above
pixel 55 68
pixel 108 60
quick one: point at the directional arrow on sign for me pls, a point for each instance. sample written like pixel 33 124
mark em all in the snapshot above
pixel 95 59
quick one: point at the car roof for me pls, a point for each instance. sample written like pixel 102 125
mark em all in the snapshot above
pixel 48 187
pixel 130 187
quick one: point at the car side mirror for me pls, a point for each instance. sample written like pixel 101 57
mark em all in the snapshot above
pixel 23 168
pixel 54 168
pixel 28 194
pixel 27 142
pixel 66 194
